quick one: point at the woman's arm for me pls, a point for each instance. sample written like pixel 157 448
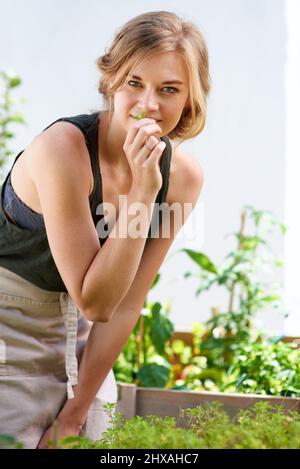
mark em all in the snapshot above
pixel 106 340
pixel 105 343
pixel 115 265
pixel 97 278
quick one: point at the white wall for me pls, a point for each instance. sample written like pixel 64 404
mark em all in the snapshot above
pixel 53 46
pixel 292 193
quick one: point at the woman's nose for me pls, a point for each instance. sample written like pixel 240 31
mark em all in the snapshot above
pixel 148 102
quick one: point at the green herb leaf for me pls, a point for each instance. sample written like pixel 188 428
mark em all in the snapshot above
pixel 153 375
pixel 140 115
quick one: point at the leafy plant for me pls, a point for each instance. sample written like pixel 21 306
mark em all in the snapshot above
pixel 260 367
pixel 233 353
pixel 8 82
pixel 266 368
pixel 10 442
pixel 143 360
pixel 241 272
pixel 207 426
pixel 229 352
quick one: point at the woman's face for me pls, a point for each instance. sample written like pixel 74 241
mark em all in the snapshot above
pixel 144 90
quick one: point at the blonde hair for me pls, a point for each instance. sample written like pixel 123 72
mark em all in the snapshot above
pixel 146 35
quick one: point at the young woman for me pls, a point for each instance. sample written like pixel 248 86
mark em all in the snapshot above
pixel 71 286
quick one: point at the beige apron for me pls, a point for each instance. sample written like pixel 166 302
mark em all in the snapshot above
pixel 42 337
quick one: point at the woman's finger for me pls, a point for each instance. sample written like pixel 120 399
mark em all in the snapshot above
pixel 155 155
pixel 146 150
pixel 144 134
pixel 134 128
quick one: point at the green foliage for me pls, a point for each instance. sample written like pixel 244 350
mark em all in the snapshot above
pixel 10 442
pixel 161 328
pixel 140 115
pixel 241 272
pixel 266 368
pixel 254 364
pixel 153 375
pixel 8 82
pixel 208 426
pixel 261 426
pixel 144 359
pixel 238 356
pixel 229 353
pixel 202 260
pixel 222 331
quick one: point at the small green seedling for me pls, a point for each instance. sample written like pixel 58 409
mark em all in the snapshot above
pixel 140 115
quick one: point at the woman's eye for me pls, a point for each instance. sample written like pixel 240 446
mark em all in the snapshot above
pixel 170 89
pixel 132 81
pixel 173 90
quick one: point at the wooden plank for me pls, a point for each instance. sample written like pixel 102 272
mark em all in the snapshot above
pixel 165 402
pixel 186 337
pixel 291 339
pixel 127 400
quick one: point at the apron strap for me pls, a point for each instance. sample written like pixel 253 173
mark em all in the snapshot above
pixel 70 315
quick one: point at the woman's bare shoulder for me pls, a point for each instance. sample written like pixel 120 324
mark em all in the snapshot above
pixel 61 133
pixel 60 138
pixel 186 177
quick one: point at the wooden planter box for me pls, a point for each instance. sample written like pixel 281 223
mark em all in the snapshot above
pixel 134 400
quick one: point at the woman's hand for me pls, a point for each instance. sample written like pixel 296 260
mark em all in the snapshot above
pixel 58 430
pixel 143 151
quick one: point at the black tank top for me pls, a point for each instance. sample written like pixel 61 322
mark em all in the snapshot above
pixel 24 247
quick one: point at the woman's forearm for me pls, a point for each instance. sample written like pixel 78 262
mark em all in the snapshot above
pixel 106 339
pixel 104 345
pixel 115 265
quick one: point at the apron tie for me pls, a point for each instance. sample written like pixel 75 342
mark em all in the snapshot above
pixel 70 315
